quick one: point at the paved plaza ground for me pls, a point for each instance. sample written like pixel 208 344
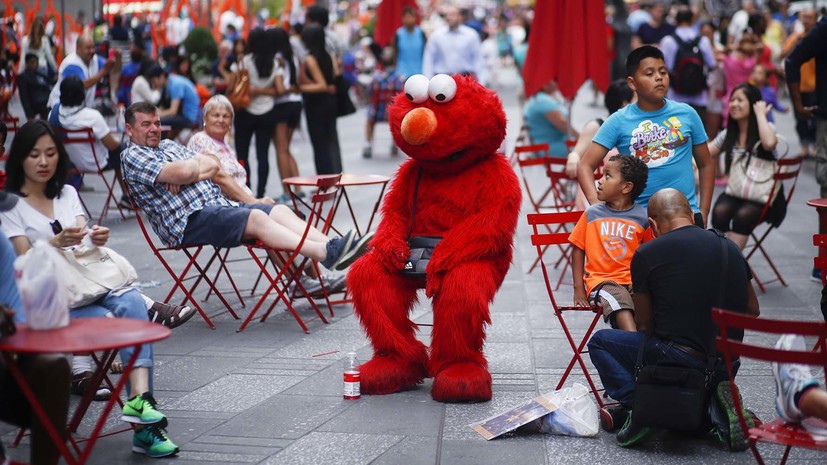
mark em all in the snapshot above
pixel 273 395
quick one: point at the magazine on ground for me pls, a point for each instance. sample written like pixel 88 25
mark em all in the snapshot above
pixel 515 417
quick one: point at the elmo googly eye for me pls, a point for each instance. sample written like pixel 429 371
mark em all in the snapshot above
pixel 442 88
pixel 416 88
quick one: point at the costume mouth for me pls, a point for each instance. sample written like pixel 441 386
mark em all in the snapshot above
pixel 455 156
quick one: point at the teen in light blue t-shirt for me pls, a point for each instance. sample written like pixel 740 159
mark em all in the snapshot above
pixel 180 88
pixel 663 139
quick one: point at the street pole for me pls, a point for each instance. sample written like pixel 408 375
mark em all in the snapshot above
pixel 63 28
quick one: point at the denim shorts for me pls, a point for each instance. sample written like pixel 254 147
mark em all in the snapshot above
pixel 220 226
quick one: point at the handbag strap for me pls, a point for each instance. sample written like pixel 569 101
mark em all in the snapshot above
pixel 413 202
pixel 711 353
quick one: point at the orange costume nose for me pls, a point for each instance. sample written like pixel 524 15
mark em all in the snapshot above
pixel 418 126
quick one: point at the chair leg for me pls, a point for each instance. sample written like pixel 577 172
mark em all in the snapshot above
pixel 786 455
pixel 179 283
pixel 578 357
pixel 754 447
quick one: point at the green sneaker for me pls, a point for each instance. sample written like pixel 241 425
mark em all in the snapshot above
pixel 731 433
pixel 631 434
pixel 141 410
pixel 153 441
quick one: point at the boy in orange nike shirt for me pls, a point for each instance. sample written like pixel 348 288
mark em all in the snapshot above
pixel 605 239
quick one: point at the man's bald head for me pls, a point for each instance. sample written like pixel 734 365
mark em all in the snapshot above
pixel 85 48
pixel 669 209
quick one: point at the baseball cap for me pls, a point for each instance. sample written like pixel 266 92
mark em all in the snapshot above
pixel 7 201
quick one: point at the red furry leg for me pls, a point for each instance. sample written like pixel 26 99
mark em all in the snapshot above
pixel 382 300
pixel 457 362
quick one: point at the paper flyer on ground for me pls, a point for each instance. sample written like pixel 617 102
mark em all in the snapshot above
pixel 515 417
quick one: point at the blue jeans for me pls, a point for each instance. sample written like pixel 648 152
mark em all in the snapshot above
pixel 614 353
pixel 8 289
pixel 129 304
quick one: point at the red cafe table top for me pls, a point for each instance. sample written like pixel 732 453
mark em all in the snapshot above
pixel 347 180
pixel 85 335
pixel 818 203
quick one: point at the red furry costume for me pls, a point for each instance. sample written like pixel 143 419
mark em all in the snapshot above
pixel 469 195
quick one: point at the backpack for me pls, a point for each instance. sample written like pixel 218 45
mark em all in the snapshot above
pixel 688 77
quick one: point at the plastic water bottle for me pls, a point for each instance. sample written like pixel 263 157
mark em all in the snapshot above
pixel 353 379
pixel 120 120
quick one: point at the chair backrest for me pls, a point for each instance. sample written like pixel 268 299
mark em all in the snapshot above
pixel 557 226
pixel 753 327
pixel 758 329
pixel 322 207
pixel 786 172
pixel 80 137
pixel 551 195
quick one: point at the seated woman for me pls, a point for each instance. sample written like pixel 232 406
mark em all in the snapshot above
pixel 547 120
pixel 37 167
pixel 218 119
pixel 746 125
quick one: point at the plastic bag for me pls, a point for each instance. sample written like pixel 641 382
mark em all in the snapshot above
pixel 41 279
pixel 576 414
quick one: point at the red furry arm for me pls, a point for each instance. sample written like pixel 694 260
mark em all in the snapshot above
pixel 490 231
pixel 390 240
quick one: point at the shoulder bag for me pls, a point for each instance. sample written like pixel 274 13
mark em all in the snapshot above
pixel 671 395
pixel 344 105
pixel 421 247
pixel 94 272
pixel 239 93
pixel 752 178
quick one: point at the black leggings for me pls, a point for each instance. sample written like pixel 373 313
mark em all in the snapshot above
pixel 741 216
pixel 247 124
pixel 320 111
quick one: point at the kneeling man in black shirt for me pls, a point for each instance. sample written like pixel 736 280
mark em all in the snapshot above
pixel 676 280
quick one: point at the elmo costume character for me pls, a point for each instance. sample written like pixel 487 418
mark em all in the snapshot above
pixel 466 193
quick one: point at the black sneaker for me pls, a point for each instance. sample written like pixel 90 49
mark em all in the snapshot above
pixel 336 248
pixel 80 384
pixel 613 417
pixel 631 435
pixel 356 250
pixel 126 204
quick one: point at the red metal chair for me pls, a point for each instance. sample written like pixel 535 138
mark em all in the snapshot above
pixel 85 137
pixel 776 431
pixel 539 240
pixel 289 270
pixel 787 171
pixel 820 261
pixel 551 193
pixel 200 272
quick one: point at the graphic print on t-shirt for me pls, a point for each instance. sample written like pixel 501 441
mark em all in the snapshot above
pixel 655 143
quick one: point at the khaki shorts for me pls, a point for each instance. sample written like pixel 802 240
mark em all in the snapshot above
pixel 613 297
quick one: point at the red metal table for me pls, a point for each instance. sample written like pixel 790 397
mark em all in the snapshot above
pixel 82 335
pixel 348 180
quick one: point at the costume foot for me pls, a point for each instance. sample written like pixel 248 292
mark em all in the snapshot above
pixel 462 382
pixel 389 374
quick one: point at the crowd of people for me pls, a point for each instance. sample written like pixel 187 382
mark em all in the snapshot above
pixel 695 93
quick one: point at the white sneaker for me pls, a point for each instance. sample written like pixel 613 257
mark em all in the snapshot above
pixel 791 379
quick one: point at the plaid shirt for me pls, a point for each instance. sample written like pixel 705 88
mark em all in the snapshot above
pixel 168 213
pixel 384 87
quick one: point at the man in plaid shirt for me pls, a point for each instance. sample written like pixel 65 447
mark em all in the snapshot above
pixel 183 194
